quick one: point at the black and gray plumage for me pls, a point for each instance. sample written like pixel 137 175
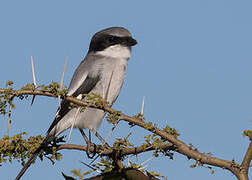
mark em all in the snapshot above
pixel 102 72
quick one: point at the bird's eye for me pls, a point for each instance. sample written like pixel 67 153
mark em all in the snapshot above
pixel 111 38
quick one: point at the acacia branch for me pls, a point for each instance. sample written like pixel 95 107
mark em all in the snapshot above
pixel 123 152
pixel 248 157
pixel 180 146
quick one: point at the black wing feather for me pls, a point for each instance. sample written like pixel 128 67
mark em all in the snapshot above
pixel 85 88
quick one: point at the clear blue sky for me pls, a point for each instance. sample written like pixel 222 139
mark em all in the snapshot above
pixel 193 63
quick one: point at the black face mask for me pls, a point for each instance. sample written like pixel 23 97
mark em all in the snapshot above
pixel 102 42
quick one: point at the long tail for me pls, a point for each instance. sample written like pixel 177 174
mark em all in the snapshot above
pixel 32 158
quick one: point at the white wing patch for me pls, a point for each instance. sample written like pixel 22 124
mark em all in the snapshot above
pixel 75 86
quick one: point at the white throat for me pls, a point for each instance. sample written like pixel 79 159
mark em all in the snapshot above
pixel 116 51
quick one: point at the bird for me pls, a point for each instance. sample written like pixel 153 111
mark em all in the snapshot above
pixel 101 72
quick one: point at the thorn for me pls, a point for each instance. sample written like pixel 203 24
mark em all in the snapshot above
pixel 33 72
pixel 144 167
pixel 52 161
pixel 94 169
pixel 33 98
pixel 34 78
pixel 63 73
pixel 62 78
pixel 142 108
pixel 67 177
pixel 94 159
pixel 146 161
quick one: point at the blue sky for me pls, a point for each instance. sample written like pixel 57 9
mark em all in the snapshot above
pixel 192 63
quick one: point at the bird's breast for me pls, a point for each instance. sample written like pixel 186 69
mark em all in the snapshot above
pixel 112 75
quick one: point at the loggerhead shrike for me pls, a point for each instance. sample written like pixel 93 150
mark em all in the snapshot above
pixel 101 72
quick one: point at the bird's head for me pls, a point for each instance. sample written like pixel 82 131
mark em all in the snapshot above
pixel 110 40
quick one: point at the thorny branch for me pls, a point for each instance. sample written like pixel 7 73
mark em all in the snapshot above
pixel 109 152
pixel 248 156
pixel 239 170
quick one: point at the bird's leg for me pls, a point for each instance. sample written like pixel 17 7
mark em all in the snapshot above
pixel 99 137
pixel 88 142
pixel 118 161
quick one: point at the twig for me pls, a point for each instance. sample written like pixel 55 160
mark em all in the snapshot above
pixel 247 158
pixel 123 152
